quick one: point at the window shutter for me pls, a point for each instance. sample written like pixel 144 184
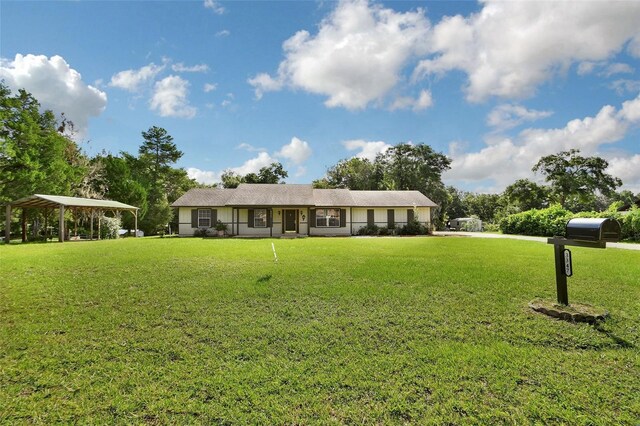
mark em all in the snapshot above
pixel 410 215
pixel 343 218
pixel 312 218
pixel 391 216
pixel 214 217
pixel 250 220
pixel 370 217
pixel 194 218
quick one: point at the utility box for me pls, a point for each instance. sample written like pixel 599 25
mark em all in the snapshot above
pixel 592 229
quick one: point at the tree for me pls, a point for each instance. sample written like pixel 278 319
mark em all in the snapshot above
pixel 455 206
pixel 526 195
pixel 402 167
pixel 158 153
pixel 354 173
pixel 575 180
pixel 268 174
pixel 485 206
pixel 415 167
pixel 34 156
pixel 118 183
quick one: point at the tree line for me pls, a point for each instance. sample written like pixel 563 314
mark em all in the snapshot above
pixel 39 155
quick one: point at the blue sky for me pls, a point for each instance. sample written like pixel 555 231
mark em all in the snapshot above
pixel 239 84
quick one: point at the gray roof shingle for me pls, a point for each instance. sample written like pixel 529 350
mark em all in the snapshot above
pixel 253 194
pixel 203 197
pixel 247 194
pixel 390 199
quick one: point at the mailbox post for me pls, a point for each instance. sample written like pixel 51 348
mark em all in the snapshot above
pixel 593 233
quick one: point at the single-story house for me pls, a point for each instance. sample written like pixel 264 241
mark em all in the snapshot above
pixel 277 210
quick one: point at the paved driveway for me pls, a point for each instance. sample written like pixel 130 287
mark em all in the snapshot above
pixel 626 246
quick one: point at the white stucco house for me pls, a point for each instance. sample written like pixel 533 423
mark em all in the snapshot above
pixel 296 209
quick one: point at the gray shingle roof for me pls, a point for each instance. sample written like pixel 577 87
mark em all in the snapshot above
pixel 299 195
pixel 202 197
pixel 332 197
pixel 390 199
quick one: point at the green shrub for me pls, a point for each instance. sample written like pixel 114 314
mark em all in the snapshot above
pixel 369 230
pixel 553 220
pixel 414 228
pixel 546 222
pixel 110 228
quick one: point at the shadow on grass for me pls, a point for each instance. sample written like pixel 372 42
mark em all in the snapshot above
pixel 599 327
pixel 264 278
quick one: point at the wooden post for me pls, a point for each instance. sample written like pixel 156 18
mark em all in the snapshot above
pixel 24 224
pixel 61 225
pixel 91 223
pixel 99 222
pixel 7 229
pixel 561 278
pixel 135 224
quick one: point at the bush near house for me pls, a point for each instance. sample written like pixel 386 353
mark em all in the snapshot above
pixel 552 221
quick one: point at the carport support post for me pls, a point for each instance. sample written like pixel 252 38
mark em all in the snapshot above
pixel 7 229
pixel 61 224
pixel 561 278
pixel 24 224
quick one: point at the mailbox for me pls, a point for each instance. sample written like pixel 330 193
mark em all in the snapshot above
pixel 583 232
pixel 591 229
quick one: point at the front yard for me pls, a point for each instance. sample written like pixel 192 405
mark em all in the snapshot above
pixel 353 330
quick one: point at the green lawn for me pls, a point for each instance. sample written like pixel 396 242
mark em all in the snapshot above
pixel 359 330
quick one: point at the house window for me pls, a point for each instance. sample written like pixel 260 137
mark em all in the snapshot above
pixel 204 218
pixel 327 218
pixel 260 218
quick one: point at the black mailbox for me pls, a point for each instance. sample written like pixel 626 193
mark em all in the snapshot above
pixel 591 229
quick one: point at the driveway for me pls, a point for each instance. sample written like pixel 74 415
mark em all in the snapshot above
pixel 625 246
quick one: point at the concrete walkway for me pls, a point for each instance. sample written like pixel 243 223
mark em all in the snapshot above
pixel 625 246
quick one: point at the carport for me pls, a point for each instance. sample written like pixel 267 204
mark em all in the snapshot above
pixel 62 203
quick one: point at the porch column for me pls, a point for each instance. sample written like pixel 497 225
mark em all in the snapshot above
pixel 7 229
pixel 61 225
pixel 135 223
pixel 91 222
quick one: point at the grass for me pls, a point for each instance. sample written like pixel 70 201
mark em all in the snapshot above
pixel 360 330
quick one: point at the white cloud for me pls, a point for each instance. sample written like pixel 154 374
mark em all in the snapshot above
pixel 423 102
pixel 56 86
pixel 132 80
pixel 505 160
pixel 298 151
pixel 355 58
pixel 368 149
pixel 624 86
pixel 180 67
pixel 223 33
pixel 604 68
pixel 170 98
pixel 509 48
pixel 248 147
pixel 214 6
pixel 203 176
pixel 617 68
pixel 254 165
pixel 507 116
pixel 263 83
pixel 210 87
pixel 627 169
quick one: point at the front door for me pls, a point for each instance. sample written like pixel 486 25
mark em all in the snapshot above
pixel 290 217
